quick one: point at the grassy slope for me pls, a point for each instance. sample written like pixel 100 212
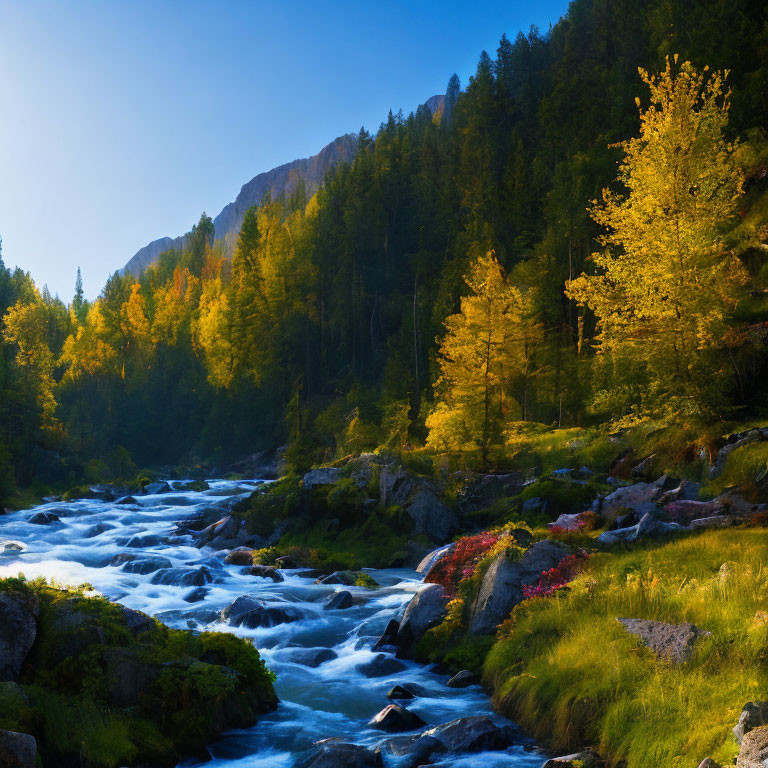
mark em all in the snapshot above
pixel 566 670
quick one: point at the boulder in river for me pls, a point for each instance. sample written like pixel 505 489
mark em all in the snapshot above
pixel 411 751
pixel 471 734
pixel 405 691
pixel 156 488
pixel 182 577
pixel 97 530
pixel 265 572
pixel 394 718
pixel 464 679
pixel 240 556
pixel 251 612
pixel 195 595
pixel 141 541
pixel 17 750
pixel 339 601
pixel 502 586
pixel 312 657
pixel 44 518
pixel 19 610
pixel 754 749
pixel 142 565
pixel 381 666
pixel 389 636
pixel 334 753
pixel 673 642
pixel 753 715
pixel 425 610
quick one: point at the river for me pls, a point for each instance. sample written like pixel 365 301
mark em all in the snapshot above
pixel 333 699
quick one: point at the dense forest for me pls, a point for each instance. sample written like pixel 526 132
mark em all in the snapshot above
pixel 464 274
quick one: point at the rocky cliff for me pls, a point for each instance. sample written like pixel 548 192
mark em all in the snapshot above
pixel 283 179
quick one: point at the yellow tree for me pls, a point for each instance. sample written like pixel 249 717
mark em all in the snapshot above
pixel 487 346
pixel 665 283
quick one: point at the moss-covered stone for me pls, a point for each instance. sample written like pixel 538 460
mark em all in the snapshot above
pixel 105 685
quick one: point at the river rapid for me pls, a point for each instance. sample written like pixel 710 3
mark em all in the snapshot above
pixel 332 699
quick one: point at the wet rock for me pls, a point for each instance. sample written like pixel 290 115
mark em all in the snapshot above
pixel 347 578
pixel 429 561
pixel 17 750
pixel 464 679
pixel 673 642
pixel 389 636
pixel 754 749
pixel 312 657
pixel 183 577
pixel 97 530
pixel 430 516
pixel 411 751
pixel 339 601
pixel 224 529
pixel 586 759
pixel 425 610
pixel 753 715
pixel 152 489
pixel 126 500
pixel 240 556
pixel 143 541
pixel 502 586
pixel 401 692
pixel 265 572
pixel 321 476
pixel 381 666
pixel 286 562
pixel 141 565
pixel 11 547
pixel 195 595
pixel 649 527
pixel 333 753
pixel 247 611
pixel 394 718
pixel 471 734
pixel 44 518
pixel 18 629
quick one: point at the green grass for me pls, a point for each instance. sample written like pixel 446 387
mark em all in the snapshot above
pixel 566 670
pixel 743 467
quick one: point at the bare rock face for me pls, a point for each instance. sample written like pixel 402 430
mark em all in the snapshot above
pixel 502 586
pixel 430 516
pixel 425 610
pixel 321 476
pixel 754 749
pixel 672 642
pixel 17 750
pixel 753 715
pixel 470 734
pixel 649 527
pixel 640 498
pixel 18 630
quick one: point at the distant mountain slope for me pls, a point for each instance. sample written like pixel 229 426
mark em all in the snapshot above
pixel 284 178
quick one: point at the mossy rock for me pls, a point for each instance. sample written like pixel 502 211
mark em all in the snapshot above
pixel 106 685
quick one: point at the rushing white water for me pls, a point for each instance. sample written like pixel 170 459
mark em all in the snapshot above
pixel 331 699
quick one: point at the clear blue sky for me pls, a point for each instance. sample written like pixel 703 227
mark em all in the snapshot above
pixel 122 120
